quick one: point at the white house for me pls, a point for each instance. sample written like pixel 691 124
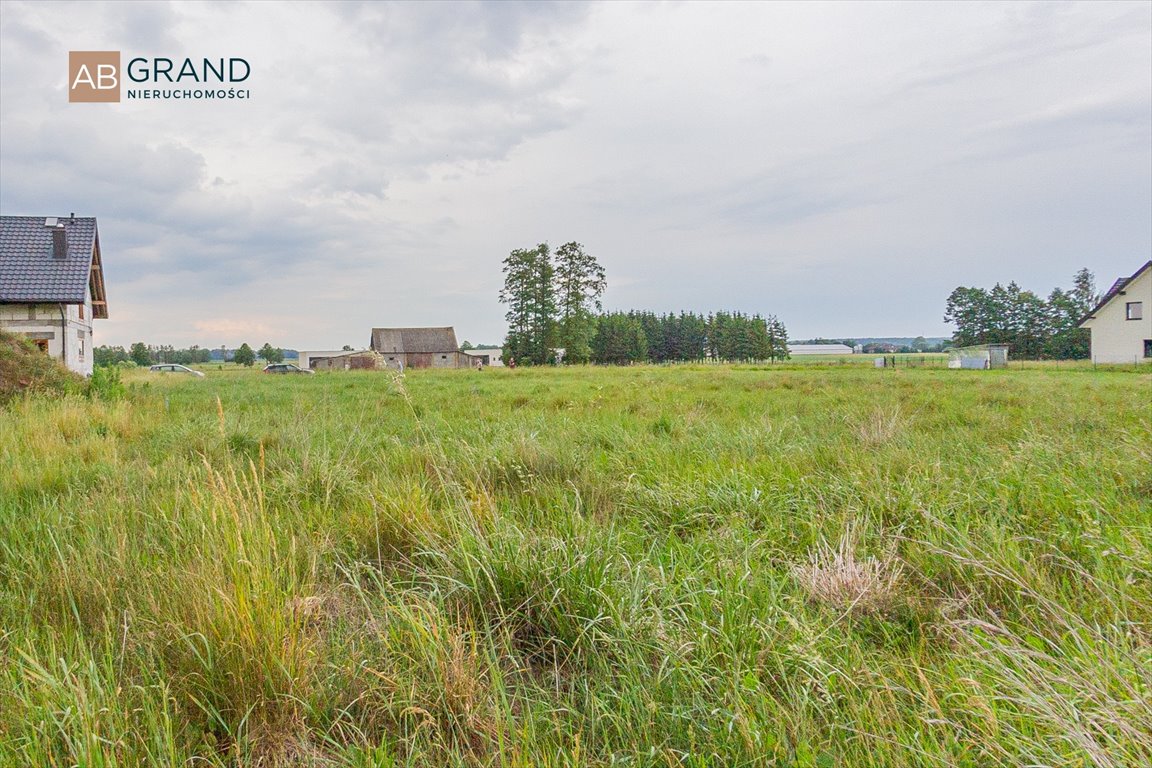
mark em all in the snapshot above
pixel 488 357
pixel 52 284
pixel 1121 324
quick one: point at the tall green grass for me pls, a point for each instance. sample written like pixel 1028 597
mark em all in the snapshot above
pixel 699 566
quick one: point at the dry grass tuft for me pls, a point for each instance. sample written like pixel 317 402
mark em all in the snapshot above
pixel 881 427
pixel 836 577
pixel 285 745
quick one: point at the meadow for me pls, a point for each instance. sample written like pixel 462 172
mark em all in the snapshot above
pixel 796 565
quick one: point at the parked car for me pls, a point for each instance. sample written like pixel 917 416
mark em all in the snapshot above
pixel 174 368
pixel 284 368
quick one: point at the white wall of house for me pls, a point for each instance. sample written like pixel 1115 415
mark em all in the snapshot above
pixel 1116 338
pixel 493 356
pixel 305 357
pixel 69 339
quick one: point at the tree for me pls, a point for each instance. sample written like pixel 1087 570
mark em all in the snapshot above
pixel 691 341
pixel 103 355
pixel 270 354
pixel 618 340
pixel 1083 293
pixel 244 356
pixel 1032 326
pixel 579 282
pixel 465 345
pixel 530 295
pixel 140 354
pixel 1068 341
pixel 777 339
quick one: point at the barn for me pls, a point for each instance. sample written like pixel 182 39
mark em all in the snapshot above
pixel 419 348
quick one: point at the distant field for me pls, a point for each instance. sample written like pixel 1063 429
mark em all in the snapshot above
pixel 789 565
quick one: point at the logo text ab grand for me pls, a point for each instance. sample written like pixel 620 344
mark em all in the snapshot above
pixel 96 76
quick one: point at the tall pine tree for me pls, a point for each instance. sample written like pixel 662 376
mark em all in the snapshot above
pixel 580 283
pixel 531 298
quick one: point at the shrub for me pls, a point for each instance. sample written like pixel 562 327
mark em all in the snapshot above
pixel 24 368
pixel 836 577
pixel 105 384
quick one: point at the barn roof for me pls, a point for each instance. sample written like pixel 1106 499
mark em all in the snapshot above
pixel 30 271
pixel 414 340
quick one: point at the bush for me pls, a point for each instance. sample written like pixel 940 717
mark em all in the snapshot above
pixel 105 384
pixel 24 368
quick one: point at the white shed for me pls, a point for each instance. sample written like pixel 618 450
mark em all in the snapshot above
pixel 979 356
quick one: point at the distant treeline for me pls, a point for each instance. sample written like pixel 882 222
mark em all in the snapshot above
pixel 148 354
pixel 645 337
pixel 1033 327
pixel 553 301
pixel 892 345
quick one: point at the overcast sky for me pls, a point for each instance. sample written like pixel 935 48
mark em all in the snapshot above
pixel 844 166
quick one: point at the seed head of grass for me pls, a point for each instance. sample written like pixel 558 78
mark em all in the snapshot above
pixel 835 576
pixel 880 427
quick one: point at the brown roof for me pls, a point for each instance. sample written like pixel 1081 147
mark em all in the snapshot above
pixel 414 340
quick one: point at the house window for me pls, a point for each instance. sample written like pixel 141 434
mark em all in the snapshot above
pixel 1134 310
pixel 1147 347
pixel 81 349
pixel 81 311
pixel 443 357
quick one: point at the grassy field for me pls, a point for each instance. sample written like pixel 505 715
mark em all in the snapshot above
pixel 698 566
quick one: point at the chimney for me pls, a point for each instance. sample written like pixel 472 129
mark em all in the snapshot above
pixel 59 242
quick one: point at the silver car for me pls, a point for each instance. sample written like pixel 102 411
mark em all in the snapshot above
pixel 174 368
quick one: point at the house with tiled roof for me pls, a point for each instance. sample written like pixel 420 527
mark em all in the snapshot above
pixel 1121 322
pixel 52 284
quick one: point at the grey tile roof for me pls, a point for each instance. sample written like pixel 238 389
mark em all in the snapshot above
pixel 28 270
pixel 414 340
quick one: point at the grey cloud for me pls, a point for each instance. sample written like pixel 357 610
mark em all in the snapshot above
pixel 729 155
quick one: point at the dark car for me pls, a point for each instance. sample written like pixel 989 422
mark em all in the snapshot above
pixel 284 368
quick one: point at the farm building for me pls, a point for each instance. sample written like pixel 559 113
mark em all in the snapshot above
pixel 309 360
pixel 819 349
pixel 486 356
pixel 1121 323
pixel 362 360
pixel 52 284
pixel 419 348
pixel 979 356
